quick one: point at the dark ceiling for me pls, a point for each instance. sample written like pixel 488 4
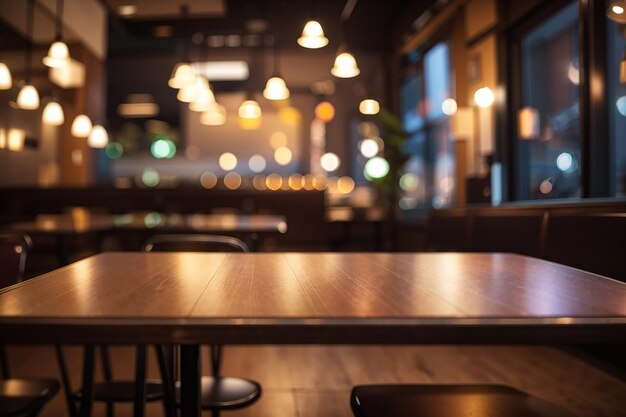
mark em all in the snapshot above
pixel 373 25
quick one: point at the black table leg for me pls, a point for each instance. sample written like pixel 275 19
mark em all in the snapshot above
pixel 86 399
pixel 140 382
pixel 190 370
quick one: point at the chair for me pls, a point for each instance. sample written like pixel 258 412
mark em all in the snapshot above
pixel 218 392
pixel 19 397
pixel 448 401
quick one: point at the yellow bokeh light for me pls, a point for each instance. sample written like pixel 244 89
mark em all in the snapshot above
pixel 307 182
pixel 227 161
pixel 345 185
pixel 258 182
pixel 278 140
pixel 232 180
pixel 295 182
pixel 249 124
pixel 282 156
pixel 332 185
pixel 274 182
pixel 319 182
pixel 208 180
pixel 290 116
pixel 325 112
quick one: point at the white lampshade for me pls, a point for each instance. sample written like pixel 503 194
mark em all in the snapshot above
pixel 345 66
pixel 276 89
pixel 250 109
pixel 214 117
pixel 98 137
pixel 53 114
pixel 6 81
pixel 192 92
pixel 15 140
pixel 81 126
pixel 312 36
pixel 182 75
pixel 369 106
pixel 58 55
pixel 204 101
pixel 28 98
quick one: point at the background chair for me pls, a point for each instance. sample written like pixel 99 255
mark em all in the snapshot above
pixel 218 392
pixel 19 397
pixel 448 401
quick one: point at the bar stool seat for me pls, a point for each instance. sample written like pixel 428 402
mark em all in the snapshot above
pixel 25 397
pixel 226 393
pixel 449 401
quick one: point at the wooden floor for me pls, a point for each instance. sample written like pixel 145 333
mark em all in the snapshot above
pixel 303 381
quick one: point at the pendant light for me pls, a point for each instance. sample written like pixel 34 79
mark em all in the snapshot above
pixel 98 137
pixel 58 54
pixel 205 100
pixel 194 91
pixel 276 88
pixel 345 65
pixel 250 109
pixel 28 97
pixel 369 106
pixel 6 81
pixel 617 11
pixel 53 114
pixel 183 74
pixel 216 116
pixel 81 126
pixel 312 35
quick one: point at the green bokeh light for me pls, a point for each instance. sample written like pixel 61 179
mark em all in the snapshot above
pixel 114 150
pixel 163 148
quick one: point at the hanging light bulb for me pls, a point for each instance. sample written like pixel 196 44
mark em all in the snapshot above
pixel 6 81
pixel 183 75
pixel 81 126
pixel 369 106
pixel 250 109
pixel 345 65
pixel 98 137
pixel 214 117
pixel 53 114
pixel 617 11
pixel 28 98
pixel 312 36
pixel 276 89
pixel 58 54
pixel 193 91
pixel 205 100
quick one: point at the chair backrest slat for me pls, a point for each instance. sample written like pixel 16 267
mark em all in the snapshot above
pixel 194 243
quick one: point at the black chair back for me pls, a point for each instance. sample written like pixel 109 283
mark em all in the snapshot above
pixel 194 243
pixel 13 250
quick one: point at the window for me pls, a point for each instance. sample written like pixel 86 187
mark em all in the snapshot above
pixel 427 179
pixel 549 154
pixel 616 83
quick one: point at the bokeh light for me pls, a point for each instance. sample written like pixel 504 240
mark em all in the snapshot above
pixel 150 177
pixel 114 150
pixel 621 105
pixel 208 180
pixel 274 182
pixel 376 168
pixel 546 186
pixel 449 107
pixel 228 161
pixel 278 140
pixel 564 161
pixel 325 112
pixel 483 97
pixel 258 182
pixel 282 156
pixel 345 185
pixel 368 129
pixel 330 162
pixel 370 147
pixel 409 182
pixel 319 182
pixel 163 149
pixel 295 182
pixel 232 180
pixel 257 163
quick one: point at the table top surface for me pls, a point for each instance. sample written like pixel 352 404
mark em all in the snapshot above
pixel 307 290
pixel 82 222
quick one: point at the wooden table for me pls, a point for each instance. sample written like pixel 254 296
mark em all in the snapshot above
pixel 194 298
pixel 64 226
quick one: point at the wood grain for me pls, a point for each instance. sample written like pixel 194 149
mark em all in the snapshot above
pixel 316 297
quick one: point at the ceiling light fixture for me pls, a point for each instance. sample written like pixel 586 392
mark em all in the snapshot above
pixel 250 109
pixel 53 114
pixel 6 81
pixel 214 117
pixel 312 36
pixel 193 91
pixel 617 11
pixel 345 65
pixel 81 126
pixel 28 97
pixel 276 88
pixel 369 106
pixel 98 137
pixel 183 73
pixel 58 54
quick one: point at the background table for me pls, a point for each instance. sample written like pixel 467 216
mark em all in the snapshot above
pixel 193 298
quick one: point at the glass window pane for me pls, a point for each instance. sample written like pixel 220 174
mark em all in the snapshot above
pixel 549 131
pixel 411 95
pixel 436 71
pixel 617 104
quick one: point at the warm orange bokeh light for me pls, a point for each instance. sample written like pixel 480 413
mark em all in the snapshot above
pixel 325 112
